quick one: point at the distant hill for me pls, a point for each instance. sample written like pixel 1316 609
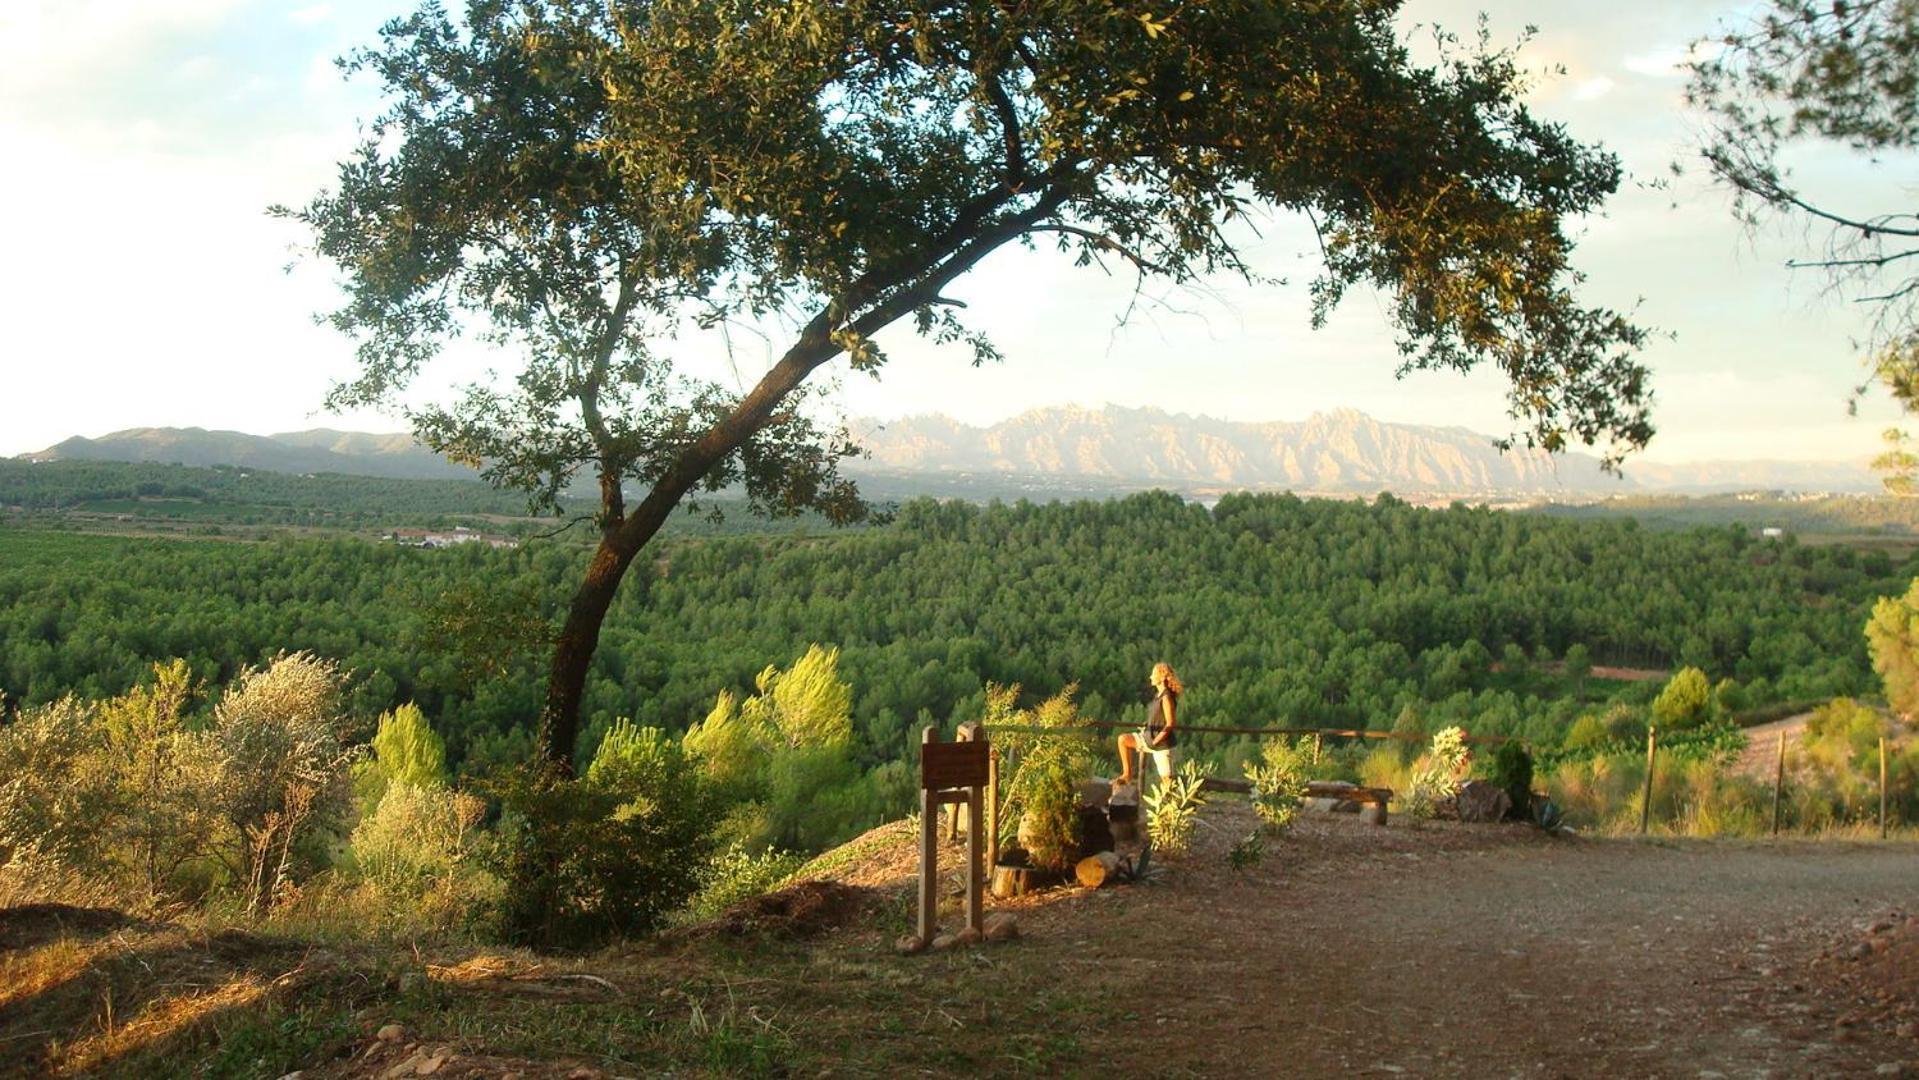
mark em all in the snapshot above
pixel 1068 450
pixel 1340 451
pixel 321 450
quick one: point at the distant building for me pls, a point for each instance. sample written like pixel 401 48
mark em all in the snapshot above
pixel 1772 532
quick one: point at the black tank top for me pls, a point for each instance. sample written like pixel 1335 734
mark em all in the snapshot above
pixel 1156 721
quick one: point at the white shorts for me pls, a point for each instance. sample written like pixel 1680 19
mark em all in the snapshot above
pixel 1162 757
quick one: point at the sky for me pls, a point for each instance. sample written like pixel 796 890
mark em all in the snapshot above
pixel 142 282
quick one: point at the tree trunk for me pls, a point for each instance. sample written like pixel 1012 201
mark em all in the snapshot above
pixel 573 650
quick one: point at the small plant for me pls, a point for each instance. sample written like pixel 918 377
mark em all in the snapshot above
pixel 1437 779
pixel 1512 771
pixel 1172 809
pixel 1043 793
pixel 1249 852
pixel 1279 782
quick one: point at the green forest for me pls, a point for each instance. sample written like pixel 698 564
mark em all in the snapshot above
pixel 1276 611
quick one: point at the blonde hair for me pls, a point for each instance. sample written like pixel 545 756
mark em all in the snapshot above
pixel 1168 679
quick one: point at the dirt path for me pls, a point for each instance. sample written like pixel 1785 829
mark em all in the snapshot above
pixel 1438 952
pixel 1760 758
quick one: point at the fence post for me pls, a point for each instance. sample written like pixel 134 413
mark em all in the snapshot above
pixel 1882 787
pixel 1316 738
pixel 1778 782
pixel 929 919
pixel 1645 805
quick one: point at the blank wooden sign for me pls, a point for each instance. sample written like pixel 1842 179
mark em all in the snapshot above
pixel 953 765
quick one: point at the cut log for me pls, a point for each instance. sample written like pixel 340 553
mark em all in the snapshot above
pixel 1096 870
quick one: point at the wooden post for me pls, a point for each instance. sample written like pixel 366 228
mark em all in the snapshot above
pixel 975 874
pixel 929 855
pixel 1882 787
pixel 1645 806
pixel 1778 783
pixel 1316 738
pixel 992 807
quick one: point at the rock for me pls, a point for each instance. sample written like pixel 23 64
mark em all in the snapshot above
pixel 1002 927
pixel 1891 1068
pixel 390 1033
pixel 1482 801
pixel 1122 795
pixel 409 1067
pixel 967 936
pixel 1321 806
pixel 1907 1030
pixel 432 1065
pixel 909 944
pixel 1095 792
pixel 942 942
pixel 1859 951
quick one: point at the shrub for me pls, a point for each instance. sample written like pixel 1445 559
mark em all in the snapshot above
pixel 1172 809
pixel 420 855
pixel 1043 792
pixel 1685 702
pixel 736 875
pixel 1436 779
pixel 275 770
pixel 1279 782
pixel 1512 771
pixel 405 751
pixel 612 853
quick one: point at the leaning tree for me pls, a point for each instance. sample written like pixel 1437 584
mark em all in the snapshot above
pixel 585 183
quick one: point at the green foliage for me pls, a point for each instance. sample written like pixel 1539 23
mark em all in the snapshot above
pixel 1247 852
pixel 736 875
pixel 422 855
pixel 1046 770
pixel 1279 782
pixel 406 750
pixel 1512 771
pixel 1892 634
pixel 1436 777
pixel 1173 806
pixel 1686 702
pixel 611 854
pixel 124 798
pixel 810 705
pixel 886 153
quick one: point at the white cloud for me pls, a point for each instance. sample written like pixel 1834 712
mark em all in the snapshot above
pixel 313 13
pixel 1664 62
pixel 1593 89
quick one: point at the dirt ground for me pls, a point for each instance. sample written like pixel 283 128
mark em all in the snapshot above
pixel 1433 949
pixel 1449 949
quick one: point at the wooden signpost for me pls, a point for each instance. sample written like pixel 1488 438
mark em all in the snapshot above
pixel 956 773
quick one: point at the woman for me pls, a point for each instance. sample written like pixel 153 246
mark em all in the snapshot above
pixel 1157 737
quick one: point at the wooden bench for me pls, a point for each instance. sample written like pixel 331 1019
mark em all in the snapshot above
pixel 1320 789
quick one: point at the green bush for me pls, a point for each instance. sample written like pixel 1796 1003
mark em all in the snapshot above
pixel 405 751
pixel 420 856
pixel 1172 809
pixel 1042 794
pixel 1512 771
pixel 611 854
pixel 737 875
pixel 1279 782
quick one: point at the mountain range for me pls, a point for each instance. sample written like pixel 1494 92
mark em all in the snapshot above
pixel 1070 447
